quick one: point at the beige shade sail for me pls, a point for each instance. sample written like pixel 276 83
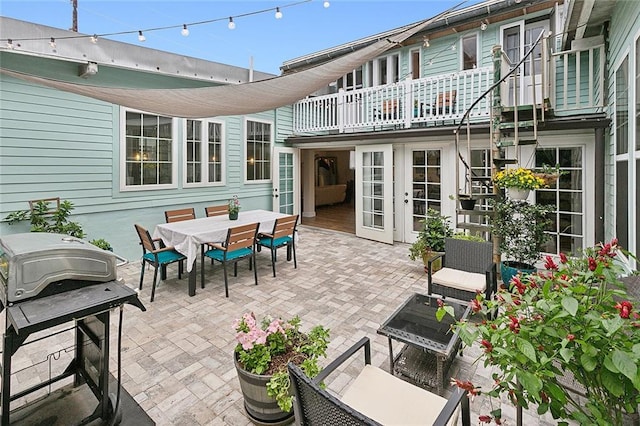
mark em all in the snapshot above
pixel 236 99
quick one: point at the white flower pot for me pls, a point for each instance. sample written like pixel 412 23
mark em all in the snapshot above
pixel 517 193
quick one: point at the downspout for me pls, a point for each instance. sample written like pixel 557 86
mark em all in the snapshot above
pixel 599 187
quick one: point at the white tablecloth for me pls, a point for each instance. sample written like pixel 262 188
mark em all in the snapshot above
pixel 188 235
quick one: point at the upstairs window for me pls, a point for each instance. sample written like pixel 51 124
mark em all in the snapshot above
pixel 384 70
pixel 351 81
pixel 470 52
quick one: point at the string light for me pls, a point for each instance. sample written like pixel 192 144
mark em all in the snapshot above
pixel 10 44
pixel 52 43
pixel 184 30
pixel 426 42
pixel 483 26
pixel 326 4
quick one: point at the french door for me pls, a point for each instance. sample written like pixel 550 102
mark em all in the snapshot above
pixel 374 192
pixel 286 175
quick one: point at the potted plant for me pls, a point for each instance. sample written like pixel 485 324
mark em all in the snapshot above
pixel 574 318
pixel 520 228
pixel 435 228
pixel 548 174
pixel 517 181
pixel 261 356
pixel 234 208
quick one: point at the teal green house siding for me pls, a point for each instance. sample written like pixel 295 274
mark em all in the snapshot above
pixel 57 144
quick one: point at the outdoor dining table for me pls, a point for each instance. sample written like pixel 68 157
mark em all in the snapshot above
pixel 187 236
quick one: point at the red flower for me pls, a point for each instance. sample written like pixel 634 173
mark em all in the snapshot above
pixel 466 386
pixel 440 303
pixel 592 264
pixel 475 305
pixel 488 346
pixel 570 337
pixel 624 308
pixel 549 263
pixel 515 324
pixel 563 258
pixel 484 419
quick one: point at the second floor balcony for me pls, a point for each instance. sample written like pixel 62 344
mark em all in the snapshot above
pixel 569 82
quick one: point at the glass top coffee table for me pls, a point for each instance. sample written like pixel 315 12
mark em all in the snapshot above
pixel 428 342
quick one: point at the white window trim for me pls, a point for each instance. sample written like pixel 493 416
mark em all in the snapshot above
pixel 123 154
pixel 204 155
pixel 375 63
pixel 461 57
pixel 244 150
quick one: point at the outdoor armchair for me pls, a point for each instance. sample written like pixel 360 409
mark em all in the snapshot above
pixel 283 235
pixel 375 397
pixel 239 244
pixel 219 210
pixel 467 268
pixel 156 254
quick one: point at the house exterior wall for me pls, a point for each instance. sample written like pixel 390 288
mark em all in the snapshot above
pixel 57 144
pixel 624 31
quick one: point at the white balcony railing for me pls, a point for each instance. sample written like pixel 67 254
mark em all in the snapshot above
pixel 424 100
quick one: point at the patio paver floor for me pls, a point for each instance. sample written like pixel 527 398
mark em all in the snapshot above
pixel 177 356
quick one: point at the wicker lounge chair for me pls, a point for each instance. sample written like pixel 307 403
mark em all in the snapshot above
pixel 375 397
pixel 467 267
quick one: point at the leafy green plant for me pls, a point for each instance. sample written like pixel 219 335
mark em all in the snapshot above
pixel 468 237
pixel 576 318
pixel 521 228
pixel 267 347
pixel 43 219
pixel 102 243
pixel 436 227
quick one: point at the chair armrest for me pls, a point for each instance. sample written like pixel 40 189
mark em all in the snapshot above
pixel 217 246
pixel 159 240
pixel 458 397
pixel 362 343
pixel 165 248
pixel 438 255
pixel 265 235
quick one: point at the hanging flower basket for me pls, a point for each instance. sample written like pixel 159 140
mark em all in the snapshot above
pixel 518 193
pixel 549 179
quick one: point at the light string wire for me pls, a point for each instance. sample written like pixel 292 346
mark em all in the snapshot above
pixel 168 27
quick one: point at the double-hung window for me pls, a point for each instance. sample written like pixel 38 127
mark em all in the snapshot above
pixel 204 153
pixel 470 52
pixel 148 151
pixel 258 150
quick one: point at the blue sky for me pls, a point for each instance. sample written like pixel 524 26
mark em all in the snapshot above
pixel 304 28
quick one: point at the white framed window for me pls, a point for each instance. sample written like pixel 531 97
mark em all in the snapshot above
pixel 384 70
pixel 258 137
pixel 203 153
pixel 622 151
pixel 469 51
pixel 148 158
pixel 415 56
pixel 351 81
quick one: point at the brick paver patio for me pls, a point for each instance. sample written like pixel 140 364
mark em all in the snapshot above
pixel 177 356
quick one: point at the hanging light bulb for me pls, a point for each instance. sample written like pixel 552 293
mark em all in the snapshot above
pixel 94 39
pixel 326 4
pixel 430 62
pixel 185 30
pixel 10 44
pixel 278 13
pixel 52 43
pixel 453 47
pixel 426 42
pixel 141 36
pixel 232 25
pixel 483 26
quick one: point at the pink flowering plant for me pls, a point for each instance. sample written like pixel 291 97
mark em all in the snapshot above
pixel 574 317
pixel 266 347
pixel 234 205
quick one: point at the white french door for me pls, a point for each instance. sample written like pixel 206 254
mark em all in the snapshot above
pixel 285 176
pixel 374 192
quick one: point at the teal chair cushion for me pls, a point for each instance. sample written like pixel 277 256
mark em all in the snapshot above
pixel 164 257
pixel 219 254
pixel 278 242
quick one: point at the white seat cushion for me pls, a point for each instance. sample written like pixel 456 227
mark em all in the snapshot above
pixel 392 401
pixel 461 280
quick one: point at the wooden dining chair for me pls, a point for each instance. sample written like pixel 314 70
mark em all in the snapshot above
pixel 283 235
pixel 239 244
pixel 156 254
pixel 179 215
pixel 220 210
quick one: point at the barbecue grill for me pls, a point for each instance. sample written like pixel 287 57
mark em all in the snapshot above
pixel 48 279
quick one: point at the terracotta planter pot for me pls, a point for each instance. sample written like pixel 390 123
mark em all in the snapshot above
pixel 260 407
